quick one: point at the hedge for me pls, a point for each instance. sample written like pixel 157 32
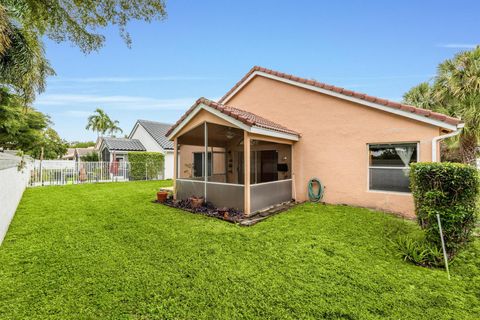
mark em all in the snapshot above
pixel 450 190
pixel 145 165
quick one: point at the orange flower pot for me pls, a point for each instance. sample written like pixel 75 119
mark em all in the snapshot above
pixel 162 196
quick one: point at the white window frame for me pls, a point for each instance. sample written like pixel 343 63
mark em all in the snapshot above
pixel 399 168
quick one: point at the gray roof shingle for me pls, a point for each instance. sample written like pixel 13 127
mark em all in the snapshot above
pixel 123 144
pixel 158 131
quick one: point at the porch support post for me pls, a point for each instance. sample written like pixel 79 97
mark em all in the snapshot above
pixel 292 173
pixel 205 161
pixel 175 167
pixel 246 172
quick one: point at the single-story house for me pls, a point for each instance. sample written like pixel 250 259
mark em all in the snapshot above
pixel 117 149
pixel 80 152
pixel 152 136
pixel 69 155
pixel 272 132
pixel 77 153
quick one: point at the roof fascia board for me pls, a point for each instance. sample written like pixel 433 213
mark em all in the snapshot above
pixel 219 114
pixel 344 97
pixel 189 117
pixel 148 132
pixel 274 134
pixel 133 130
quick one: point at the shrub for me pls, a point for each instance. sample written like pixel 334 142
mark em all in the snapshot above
pixel 145 165
pixel 91 156
pixel 450 190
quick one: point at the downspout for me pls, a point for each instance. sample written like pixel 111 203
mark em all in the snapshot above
pixel 435 140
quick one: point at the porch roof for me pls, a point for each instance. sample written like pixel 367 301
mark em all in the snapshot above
pixel 244 119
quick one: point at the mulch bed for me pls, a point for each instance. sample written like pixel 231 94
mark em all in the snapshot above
pixel 207 209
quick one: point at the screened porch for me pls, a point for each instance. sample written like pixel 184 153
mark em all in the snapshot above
pixel 233 168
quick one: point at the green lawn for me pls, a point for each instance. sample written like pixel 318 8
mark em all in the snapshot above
pixel 106 251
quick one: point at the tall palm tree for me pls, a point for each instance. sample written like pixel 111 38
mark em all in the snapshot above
pixel 456 92
pixel 98 122
pixel 101 123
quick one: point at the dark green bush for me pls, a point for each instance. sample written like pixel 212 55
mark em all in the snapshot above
pixel 91 156
pixel 450 190
pixel 145 165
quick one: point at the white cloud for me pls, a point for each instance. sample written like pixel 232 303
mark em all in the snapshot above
pixel 127 79
pixel 114 102
pixel 77 113
pixel 458 45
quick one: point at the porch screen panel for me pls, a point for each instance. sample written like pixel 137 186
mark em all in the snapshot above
pixel 189 188
pixel 270 161
pixel 225 195
pixel 264 195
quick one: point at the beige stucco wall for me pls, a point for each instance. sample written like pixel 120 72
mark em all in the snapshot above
pixel 333 146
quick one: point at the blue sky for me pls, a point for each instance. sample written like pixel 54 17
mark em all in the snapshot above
pixel 378 47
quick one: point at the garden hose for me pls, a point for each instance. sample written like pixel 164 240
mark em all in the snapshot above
pixel 312 195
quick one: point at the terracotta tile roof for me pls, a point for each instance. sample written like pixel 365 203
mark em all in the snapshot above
pixel 362 96
pixel 248 118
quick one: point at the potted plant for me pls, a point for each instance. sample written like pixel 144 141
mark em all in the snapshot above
pixel 162 196
pixel 223 212
pixel 196 202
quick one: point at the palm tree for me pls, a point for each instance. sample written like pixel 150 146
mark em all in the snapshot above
pixel 98 122
pixel 101 123
pixel 113 127
pixel 23 65
pixel 457 88
pixel 456 92
pixel 420 96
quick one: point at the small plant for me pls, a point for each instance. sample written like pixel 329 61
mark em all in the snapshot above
pixel 23 162
pixel 419 252
pixel 188 170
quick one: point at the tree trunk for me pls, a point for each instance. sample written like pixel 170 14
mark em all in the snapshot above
pixel 468 149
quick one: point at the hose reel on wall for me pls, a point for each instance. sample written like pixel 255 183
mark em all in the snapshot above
pixel 315 190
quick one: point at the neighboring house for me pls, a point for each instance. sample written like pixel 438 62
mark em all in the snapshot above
pixel 152 136
pixel 70 155
pixel 117 149
pixel 77 153
pixel 80 152
pixel 272 132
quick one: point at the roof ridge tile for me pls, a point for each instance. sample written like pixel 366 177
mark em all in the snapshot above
pixel 362 96
pixel 243 116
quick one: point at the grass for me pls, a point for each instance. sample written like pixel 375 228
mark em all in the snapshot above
pixel 106 251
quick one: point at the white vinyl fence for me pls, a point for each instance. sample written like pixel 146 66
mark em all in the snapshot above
pixel 13 181
pixel 62 172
